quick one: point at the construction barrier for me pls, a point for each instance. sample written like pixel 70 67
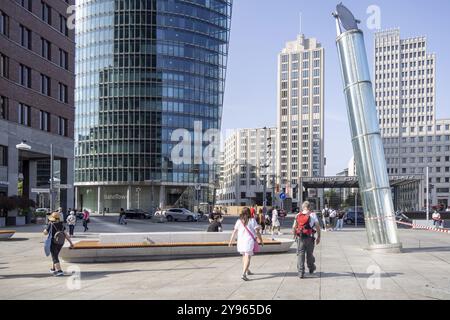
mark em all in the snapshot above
pixel 422 227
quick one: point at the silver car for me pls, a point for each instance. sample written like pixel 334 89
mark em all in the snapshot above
pixel 180 214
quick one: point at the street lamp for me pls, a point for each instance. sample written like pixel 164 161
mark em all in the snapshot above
pixel 25 147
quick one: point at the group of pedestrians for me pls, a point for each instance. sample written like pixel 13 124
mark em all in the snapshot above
pixel 248 229
pixel 332 219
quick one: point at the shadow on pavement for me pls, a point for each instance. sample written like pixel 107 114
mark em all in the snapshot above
pixel 318 275
pixel 90 275
pixel 14 239
pixel 426 249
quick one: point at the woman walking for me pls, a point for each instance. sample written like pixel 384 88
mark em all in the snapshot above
pixel 247 231
pixel 276 226
pixel 71 222
pixel 261 219
pixel 56 231
pixel 86 220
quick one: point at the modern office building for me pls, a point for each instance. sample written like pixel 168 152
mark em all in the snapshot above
pixel 300 150
pixel 405 84
pixel 37 82
pixel 145 69
pixel 249 162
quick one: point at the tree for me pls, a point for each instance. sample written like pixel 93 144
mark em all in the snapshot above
pixel 7 204
pixel 332 199
pixel 350 201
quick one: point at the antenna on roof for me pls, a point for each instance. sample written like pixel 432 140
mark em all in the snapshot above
pixel 300 23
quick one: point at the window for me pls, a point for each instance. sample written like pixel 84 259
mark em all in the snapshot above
pixel 23 113
pixel 3 108
pixel 46 49
pixel 4 66
pixel 62 126
pixel 25 37
pixel 27 4
pixel 44 121
pixel 3 156
pixel 63 25
pixel 25 76
pixel 63 59
pixel 45 85
pixel 63 93
pixel 46 13
pixel 4 24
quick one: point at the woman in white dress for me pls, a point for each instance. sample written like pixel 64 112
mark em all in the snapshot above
pixel 248 234
pixel 275 222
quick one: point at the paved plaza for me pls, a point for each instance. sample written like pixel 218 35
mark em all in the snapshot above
pixel 344 270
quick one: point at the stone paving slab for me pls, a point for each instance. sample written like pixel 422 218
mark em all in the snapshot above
pixel 344 271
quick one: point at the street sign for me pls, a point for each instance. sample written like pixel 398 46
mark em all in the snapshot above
pixel 64 186
pixel 282 196
pixel 198 187
pixel 40 190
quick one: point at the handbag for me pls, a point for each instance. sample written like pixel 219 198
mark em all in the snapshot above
pixel 256 247
pixel 48 241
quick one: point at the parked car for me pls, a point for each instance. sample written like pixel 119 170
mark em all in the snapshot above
pixel 42 211
pixel 137 214
pixel 349 217
pixel 180 214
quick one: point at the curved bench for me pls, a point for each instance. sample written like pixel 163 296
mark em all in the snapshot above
pixel 160 246
pixel 6 234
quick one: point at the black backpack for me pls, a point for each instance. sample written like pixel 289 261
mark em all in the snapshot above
pixel 59 237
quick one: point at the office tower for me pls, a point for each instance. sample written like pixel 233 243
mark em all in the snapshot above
pixel 36 101
pixel 405 83
pixel 300 115
pixel 145 69
pixel 249 162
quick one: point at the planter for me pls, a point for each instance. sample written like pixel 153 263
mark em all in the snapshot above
pixel 40 220
pixel 20 221
pixel 2 222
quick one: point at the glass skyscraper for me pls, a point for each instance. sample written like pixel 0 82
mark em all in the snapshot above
pixel 145 68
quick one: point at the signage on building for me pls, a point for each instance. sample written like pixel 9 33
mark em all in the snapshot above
pixel 40 190
pixel 114 197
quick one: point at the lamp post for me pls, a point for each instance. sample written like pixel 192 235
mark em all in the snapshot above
pixel 138 191
pixel 25 147
pixel 428 193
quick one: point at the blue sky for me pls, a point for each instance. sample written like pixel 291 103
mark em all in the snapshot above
pixel 260 29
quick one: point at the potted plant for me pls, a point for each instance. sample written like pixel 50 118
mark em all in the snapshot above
pixel 6 204
pixel 24 213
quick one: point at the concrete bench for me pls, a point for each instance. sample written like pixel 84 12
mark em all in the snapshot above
pixel 6 234
pixel 160 246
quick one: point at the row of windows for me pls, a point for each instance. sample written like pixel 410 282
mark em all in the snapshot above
pixel 24 118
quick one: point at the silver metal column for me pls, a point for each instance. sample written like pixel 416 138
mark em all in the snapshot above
pixel 366 138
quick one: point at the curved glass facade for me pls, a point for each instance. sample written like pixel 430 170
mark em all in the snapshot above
pixel 144 69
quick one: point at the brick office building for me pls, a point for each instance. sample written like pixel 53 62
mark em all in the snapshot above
pixel 37 83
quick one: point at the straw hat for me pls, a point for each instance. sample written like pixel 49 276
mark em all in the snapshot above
pixel 54 217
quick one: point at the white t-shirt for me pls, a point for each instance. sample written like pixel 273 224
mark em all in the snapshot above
pixel 275 221
pixel 333 214
pixel 245 241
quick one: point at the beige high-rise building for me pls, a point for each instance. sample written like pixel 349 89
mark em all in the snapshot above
pixel 405 84
pixel 300 115
pixel 248 161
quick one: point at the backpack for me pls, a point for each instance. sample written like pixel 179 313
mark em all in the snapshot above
pixel 326 214
pixel 59 237
pixel 304 228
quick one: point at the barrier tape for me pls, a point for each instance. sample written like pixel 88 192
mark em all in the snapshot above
pixel 418 226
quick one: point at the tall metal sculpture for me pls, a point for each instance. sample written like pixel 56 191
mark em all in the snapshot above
pixel 366 139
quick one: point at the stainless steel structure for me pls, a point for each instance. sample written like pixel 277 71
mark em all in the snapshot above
pixel 366 139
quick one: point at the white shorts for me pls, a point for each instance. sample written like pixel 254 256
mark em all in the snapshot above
pixel 250 253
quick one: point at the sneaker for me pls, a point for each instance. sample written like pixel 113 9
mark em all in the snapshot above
pixel 244 277
pixel 53 271
pixel 249 273
pixel 59 273
pixel 301 275
pixel 311 271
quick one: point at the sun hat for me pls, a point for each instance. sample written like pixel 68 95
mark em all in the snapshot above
pixel 54 217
